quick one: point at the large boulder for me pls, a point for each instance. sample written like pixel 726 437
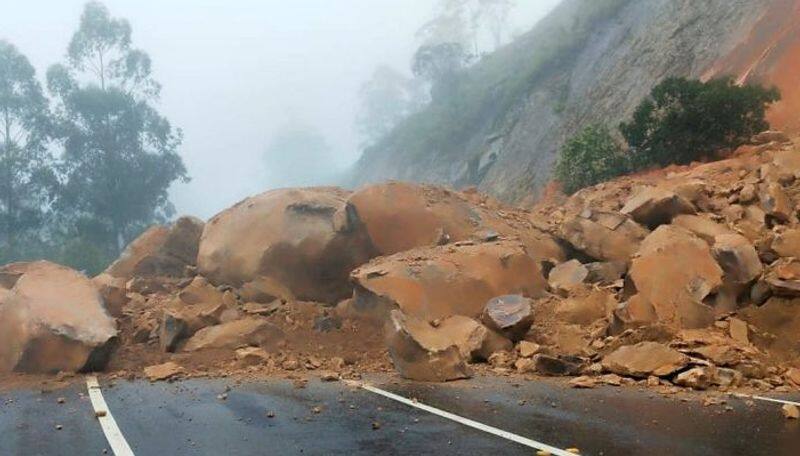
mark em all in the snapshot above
pixel 305 240
pixel 438 282
pixel 674 272
pixel 605 236
pixel 653 206
pixel 644 359
pixel 52 319
pixel 160 251
pixel 238 333
pixel 400 216
pixel 420 352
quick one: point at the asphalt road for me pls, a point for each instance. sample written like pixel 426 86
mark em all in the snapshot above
pixel 188 418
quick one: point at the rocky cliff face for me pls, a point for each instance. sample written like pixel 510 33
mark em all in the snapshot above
pixel 614 55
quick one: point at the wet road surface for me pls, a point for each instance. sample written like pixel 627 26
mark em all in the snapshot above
pixel 188 418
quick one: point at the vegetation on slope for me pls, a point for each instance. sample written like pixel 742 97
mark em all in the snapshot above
pixel 679 122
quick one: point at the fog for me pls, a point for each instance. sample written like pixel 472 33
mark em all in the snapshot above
pixel 235 73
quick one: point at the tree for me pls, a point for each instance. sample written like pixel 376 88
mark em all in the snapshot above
pixel 494 15
pixel 120 154
pixel 298 155
pixel 450 24
pixel 683 120
pixel 385 99
pixel 590 157
pixel 26 176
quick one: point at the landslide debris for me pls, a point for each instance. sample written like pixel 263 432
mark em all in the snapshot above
pixel 687 277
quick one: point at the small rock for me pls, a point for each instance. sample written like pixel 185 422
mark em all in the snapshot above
pixel 510 315
pixel 738 331
pixel 791 412
pixel 527 349
pixel 583 382
pixel 329 376
pixel 162 371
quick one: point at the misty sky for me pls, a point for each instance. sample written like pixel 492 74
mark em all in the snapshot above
pixel 235 71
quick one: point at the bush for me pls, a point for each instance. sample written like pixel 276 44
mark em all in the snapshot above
pixel 590 157
pixel 684 120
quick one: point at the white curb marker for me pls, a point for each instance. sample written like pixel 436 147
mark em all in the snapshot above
pixel 114 436
pixel 767 399
pixel 465 421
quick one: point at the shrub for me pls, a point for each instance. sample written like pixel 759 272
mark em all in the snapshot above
pixel 683 120
pixel 590 157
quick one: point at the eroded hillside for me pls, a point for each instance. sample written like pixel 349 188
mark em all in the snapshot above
pixel 586 62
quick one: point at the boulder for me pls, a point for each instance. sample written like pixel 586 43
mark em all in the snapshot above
pixel 738 258
pixel 527 349
pixel 720 355
pixel 306 240
pixel 475 341
pixel 113 291
pixel 553 366
pixel 567 276
pixel 510 315
pixel 653 206
pixel 238 333
pixel 586 307
pixel 160 251
pixel 197 306
pixel 421 353
pixel 644 359
pixel 635 312
pixel 604 236
pixel 776 203
pixel 787 243
pixel 674 272
pixel 605 272
pixel 783 278
pixel 436 282
pixel 53 319
pixel 702 226
pixel 400 216
pixel 699 378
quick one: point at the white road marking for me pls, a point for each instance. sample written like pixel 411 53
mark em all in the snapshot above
pixel 114 436
pixel 767 399
pixel 465 421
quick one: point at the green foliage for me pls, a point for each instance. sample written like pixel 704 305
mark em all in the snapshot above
pixel 684 120
pixel 119 153
pixel 590 157
pixel 679 122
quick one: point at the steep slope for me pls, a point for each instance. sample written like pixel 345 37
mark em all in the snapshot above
pixel 588 61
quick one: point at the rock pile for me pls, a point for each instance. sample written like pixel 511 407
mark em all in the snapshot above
pixel 686 277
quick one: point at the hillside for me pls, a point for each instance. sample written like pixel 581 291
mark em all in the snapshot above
pixel 588 61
